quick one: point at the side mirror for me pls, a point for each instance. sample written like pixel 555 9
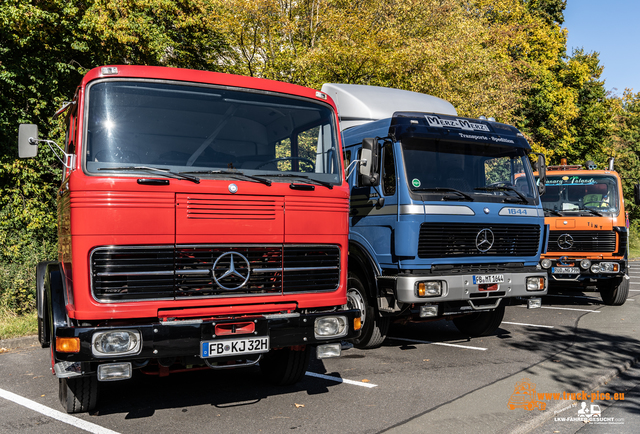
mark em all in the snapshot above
pixel 541 166
pixel 27 141
pixel 369 168
pixel 636 194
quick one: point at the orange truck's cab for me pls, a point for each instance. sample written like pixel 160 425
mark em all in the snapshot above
pixel 588 241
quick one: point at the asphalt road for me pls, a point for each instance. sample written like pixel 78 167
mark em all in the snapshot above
pixel 425 377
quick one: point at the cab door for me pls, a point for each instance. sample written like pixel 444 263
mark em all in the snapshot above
pixel 374 209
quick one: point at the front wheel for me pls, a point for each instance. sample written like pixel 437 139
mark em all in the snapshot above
pixel 616 292
pixel 78 395
pixel 374 328
pixel 480 323
pixel 285 366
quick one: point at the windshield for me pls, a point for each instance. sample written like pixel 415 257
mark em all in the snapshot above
pixel 573 193
pixel 135 125
pixel 450 170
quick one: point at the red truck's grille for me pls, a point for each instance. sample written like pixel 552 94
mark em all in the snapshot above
pixel 160 272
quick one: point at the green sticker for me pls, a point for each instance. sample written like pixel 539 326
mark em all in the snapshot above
pixel 416 182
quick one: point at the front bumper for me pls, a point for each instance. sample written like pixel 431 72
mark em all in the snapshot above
pixel 584 275
pixel 182 338
pixel 462 288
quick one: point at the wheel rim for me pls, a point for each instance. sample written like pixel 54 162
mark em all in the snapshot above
pixel 356 301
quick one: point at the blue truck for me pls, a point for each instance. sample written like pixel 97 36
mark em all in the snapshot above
pixel 445 214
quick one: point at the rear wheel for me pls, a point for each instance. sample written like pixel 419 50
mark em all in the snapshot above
pixel 616 293
pixel 285 366
pixel 374 328
pixel 480 323
pixel 78 395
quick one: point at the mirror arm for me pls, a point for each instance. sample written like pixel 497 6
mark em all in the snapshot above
pixel 352 166
pixel 69 159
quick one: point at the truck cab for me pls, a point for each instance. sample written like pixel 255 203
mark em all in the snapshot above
pixel 202 225
pixel 589 238
pixel 445 217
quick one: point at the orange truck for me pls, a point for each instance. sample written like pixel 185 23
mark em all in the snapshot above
pixel 589 238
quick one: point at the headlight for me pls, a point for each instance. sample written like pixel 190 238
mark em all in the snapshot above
pixel 432 288
pixel 585 264
pixel 330 327
pixel 545 263
pixel 609 267
pixel 116 343
pixel 535 283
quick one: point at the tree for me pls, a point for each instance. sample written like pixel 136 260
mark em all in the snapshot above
pixel 45 48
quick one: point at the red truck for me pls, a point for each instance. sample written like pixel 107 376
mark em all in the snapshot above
pixel 203 223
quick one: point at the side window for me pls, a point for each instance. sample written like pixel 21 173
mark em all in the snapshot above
pixel 388 169
pixel 358 176
pixel 346 159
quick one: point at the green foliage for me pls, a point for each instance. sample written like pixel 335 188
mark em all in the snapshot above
pixel 13 325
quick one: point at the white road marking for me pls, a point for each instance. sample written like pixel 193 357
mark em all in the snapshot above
pixel 466 347
pixel 567 308
pixel 55 414
pixel 571 296
pixel 340 380
pixel 635 290
pixel 528 325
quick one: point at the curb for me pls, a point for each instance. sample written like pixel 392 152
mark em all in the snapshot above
pixel 18 343
pixel 544 417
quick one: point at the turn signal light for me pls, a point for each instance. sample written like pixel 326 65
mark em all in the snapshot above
pixel 357 323
pixel 68 345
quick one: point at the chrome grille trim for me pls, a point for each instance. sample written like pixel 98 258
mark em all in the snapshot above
pixel 136 273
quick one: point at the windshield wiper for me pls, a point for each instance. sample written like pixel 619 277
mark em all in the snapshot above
pixel 293 175
pixel 230 172
pixel 553 211
pixel 155 169
pixel 503 188
pixel 444 190
pixel 593 211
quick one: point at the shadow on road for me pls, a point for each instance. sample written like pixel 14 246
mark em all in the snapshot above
pixel 143 395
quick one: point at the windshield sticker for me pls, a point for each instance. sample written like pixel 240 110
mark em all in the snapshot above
pixel 493 139
pixel 416 182
pixel 463 124
pixel 571 180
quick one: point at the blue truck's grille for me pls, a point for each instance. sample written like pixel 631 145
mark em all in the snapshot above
pixel 583 241
pixel 159 272
pixel 446 240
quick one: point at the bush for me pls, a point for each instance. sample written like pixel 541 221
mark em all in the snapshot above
pixel 18 276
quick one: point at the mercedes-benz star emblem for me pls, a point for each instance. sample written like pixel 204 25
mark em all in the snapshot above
pixel 231 271
pixel 484 240
pixel 565 241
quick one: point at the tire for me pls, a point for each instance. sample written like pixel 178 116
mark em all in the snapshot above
pixel 78 395
pixel 44 331
pixel 480 323
pixel 285 366
pixel 616 293
pixel 374 327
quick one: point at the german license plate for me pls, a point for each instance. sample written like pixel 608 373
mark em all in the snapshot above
pixel 234 347
pixel 565 270
pixel 494 278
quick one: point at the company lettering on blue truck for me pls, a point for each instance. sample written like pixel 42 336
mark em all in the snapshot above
pixel 446 219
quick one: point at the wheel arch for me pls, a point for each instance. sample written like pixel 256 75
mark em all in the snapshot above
pixel 362 263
